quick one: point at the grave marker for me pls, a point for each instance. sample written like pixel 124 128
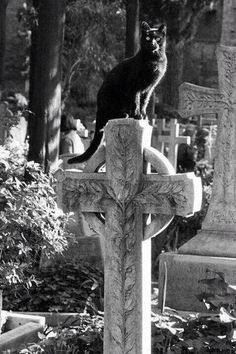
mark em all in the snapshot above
pixel 173 139
pixel 213 249
pixel 125 194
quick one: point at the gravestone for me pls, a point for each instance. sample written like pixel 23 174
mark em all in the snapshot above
pixel 171 137
pixel 213 249
pixel 126 194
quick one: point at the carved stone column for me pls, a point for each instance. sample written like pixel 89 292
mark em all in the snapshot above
pixel 213 249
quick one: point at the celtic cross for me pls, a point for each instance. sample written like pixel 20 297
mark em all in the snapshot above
pixel 125 193
pixel 220 221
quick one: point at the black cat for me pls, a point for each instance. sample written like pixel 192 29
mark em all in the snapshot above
pixel 128 87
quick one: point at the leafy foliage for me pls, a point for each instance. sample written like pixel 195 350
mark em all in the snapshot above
pixel 13 107
pixel 194 333
pixel 29 218
pixel 62 288
pixel 93 42
pixel 219 294
pixel 94 37
pixel 86 338
pixel 181 16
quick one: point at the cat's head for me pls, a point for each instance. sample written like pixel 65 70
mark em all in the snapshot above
pixel 153 40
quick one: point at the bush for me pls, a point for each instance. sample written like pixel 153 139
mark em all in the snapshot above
pixel 62 288
pixel 84 338
pixel 29 218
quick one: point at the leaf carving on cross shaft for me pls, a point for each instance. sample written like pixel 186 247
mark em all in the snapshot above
pixel 122 163
pixel 160 194
pixel 228 69
pixel 123 311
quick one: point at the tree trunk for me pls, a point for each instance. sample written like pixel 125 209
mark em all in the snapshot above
pixel 3 8
pixel 132 27
pixel 45 83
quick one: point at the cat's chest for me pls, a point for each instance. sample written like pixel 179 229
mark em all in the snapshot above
pixel 149 75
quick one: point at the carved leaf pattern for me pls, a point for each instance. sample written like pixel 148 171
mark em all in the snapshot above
pixel 124 231
pixel 124 244
pixel 161 193
pixel 228 71
pixel 123 165
pixel 221 210
pixel 74 191
pixel 195 100
pixel 124 247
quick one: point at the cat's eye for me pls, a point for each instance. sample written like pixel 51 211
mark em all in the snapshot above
pixel 148 38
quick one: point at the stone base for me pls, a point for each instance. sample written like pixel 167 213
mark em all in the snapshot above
pixel 27 333
pixel 211 243
pixel 183 275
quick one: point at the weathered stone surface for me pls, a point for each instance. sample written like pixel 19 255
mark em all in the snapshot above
pixel 228 34
pixel 184 271
pixel 124 193
pixel 15 320
pixel 211 243
pixel 221 214
pixel 27 333
pixel 56 319
pixel 217 238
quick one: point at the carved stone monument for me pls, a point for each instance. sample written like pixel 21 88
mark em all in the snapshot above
pixel 172 138
pixel 213 249
pixel 125 194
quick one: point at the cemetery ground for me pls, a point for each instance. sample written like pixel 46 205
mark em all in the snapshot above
pixel 78 289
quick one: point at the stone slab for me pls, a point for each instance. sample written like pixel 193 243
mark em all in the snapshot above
pixel 27 333
pixel 55 319
pixel 15 320
pixel 183 275
pixel 211 243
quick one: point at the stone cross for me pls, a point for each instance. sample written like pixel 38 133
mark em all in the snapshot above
pixel 125 193
pixel 213 250
pixel 221 215
pixel 173 139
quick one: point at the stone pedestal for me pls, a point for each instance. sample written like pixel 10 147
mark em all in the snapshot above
pixel 213 250
pixel 182 273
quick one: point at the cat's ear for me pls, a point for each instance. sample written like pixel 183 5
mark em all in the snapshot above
pixel 145 26
pixel 162 29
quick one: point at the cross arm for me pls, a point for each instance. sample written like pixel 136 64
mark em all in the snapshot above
pixel 197 100
pixel 179 194
pixel 82 191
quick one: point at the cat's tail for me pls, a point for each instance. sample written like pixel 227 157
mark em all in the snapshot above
pixel 90 151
